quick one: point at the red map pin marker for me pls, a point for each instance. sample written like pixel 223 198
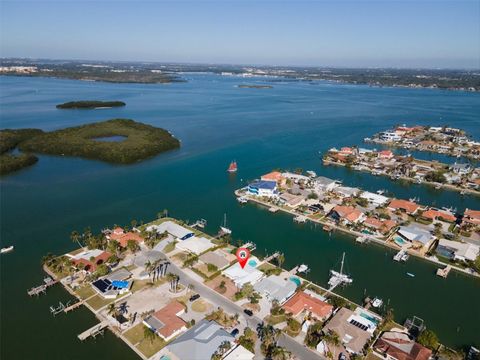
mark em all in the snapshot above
pixel 242 256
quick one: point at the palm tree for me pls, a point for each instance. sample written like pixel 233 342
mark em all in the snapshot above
pixel 75 237
pixel 148 334
pixel 332 338
pixel 280 353
pixel 280 260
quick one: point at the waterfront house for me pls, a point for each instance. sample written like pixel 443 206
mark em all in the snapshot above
pixel 166 321
pixel 276 288
pixel 382 226
pixel 472 216
pixel 291 200
pixel 347 214
pixel 345 191
pixel 118 234
pixel 239 353
pixel 249 274
pixel 200 342
pixel 385 155
pixel 407 206
pixel 374 199
pixel 114 284
pixel 461 169
pixel 457 251
pixel 220 258
pixel 324 184
pixel 393 345
pixel 306 304
pixel 90 259
pixel 390 136
pixel 195 245
pixel 177 231
pixel 274 176
pixel 353 328
pixel 434 214
pixel 263 188
pixel 417 236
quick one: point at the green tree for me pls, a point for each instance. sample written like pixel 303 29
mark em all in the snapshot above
pixel 133 246
pixel 428 338
pixel 148 334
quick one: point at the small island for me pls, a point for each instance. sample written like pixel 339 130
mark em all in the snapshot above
pixel 118 141
pixel 90 104
pixel 255 86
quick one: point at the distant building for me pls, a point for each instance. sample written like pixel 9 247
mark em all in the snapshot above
pixel 461 169
pixel 263 188
pixel 118 234
pixel 385 154
pixel 291 200
pixel 274 176
pixel 374 199
pixel 90 259
pixel 324 184
pixel 398 346
pixel 200 342
pixel 472 216
pixel 434 214
pixel 390 136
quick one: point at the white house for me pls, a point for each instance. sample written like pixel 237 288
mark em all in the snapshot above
pixel 174 229
pixel 263 188
pixel 324 184
pixel 249 274
pixel 195 245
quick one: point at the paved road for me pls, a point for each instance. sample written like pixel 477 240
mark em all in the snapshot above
pixel 300 351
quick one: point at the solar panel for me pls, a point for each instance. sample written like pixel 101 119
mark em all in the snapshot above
pixel 359 325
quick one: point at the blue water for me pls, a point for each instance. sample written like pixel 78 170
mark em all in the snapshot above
pixel 283 127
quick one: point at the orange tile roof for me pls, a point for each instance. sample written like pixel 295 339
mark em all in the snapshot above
pixel 273 176
pixel 396 346
pixel 435 214
pixel 92 265
pixel 123 237
pixel 168 316
pixel 302 301
pixel 472 216
pixel 348 212
pixel 383 225
pixel 408 206
pixel 385 153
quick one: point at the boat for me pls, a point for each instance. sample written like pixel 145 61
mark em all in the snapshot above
pixel 303 269
pixel 224 229
pixel 401 255
pixel 380 192
pixel 6 249
pixel 377 302
pixel 242 200
pixel 339 278
pixel 405 257
pixel 300 219
pixel 311 174
pixel 410 274
pixel 233 167
pixel 361 239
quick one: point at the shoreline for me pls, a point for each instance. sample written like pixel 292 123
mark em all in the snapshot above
pixel 356 234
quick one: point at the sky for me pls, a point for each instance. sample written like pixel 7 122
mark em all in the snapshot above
pixel 383 33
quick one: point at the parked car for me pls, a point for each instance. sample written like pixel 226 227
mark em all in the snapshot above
pixel 194 297
pixel 235 332
pixel 248 312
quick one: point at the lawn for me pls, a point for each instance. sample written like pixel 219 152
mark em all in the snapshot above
pixel 169 247
pixel 147 347
pixel 85 292
pixel 97 302
pixel 135 334
pixel 275 319
pixel 199 306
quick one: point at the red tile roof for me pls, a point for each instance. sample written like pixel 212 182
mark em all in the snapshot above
pixel 92 265
pixel 273 176
pixel 408 206
pixel 122 237
pixel 383 226
pixel 302 301
pixel 473 216
pixel 348 212
pixel 168 316
pixel 400 347
pixel 437 214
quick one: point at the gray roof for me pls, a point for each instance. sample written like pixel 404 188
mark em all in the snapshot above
pixel 119 275
pixel 200 342
pixel 154 323
pixel 145 256
pixel 276 288
pixel 414 233
pixel 324 181
pixel 214 258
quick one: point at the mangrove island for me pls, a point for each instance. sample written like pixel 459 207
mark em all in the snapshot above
pixel 90 104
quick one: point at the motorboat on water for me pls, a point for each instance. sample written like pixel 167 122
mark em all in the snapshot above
pixel 410 274
pixel 6 249
pixel 377 302
pixel 242 200
pixel 303 269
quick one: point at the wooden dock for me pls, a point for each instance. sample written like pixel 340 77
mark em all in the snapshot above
pixel 73 306
pixel 444 272
pixel 93 331
pixel 42 289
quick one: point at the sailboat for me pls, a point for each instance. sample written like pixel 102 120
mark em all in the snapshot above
pixel 233 167
pixel 338 278
pixel 224 229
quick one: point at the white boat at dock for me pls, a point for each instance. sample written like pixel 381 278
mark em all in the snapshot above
pixel 300 219
pixel 311 174
pixel 339 278
pixel 361 239
pixel 242 200
pixel 377 302
pixel 402 255
pixel 6 249
pixel 303 269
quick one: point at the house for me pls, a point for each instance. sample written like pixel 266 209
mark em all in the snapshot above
pixel 385 154
pixel 195 245
pixel 172 228
pixel 239 353
pixel 274 176
pixel 374 199
pixel 383 226
pixel 472 216
pixel 457 250
pixel 118 234
pixel 346 151
pixel 90 259
pixel 291 200
pixel 276 288
pixel 220 258
pixel 389 136
pixel 263 188
pixel 345 191
pixel 434 214
pixel 323 184
pixel 461 169
pixel 407 206
pixel 417 236
pixel 200 342
pixel 303 302
pixel 166 321
pixel 114 284
pixel 347 214
pixel 398 346
pixel 249 274
pixel 353 329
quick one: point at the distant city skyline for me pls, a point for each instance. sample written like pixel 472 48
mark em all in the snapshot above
pixel 408 34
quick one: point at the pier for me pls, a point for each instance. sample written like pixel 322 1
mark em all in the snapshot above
pixel 444 272
pixel 42 289
pixel 93 331
pixel 199 224
pixel 73 306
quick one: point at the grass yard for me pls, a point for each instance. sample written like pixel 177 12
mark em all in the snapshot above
pixel 135 334
pixel 275 319
pixel 199 306
pixel 85 292
pixel 169 247
pixel 150 348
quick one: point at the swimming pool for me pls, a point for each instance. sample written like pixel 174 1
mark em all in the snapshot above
pixel 296 280
pixel 252 263
pixel 399 241
pixel 369 318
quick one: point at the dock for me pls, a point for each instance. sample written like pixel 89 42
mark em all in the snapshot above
pixel 42 289
pixel 93 331
pixel 444 272
pixel 199 224
pixel 73 306
pixel 402 255
pixel 273 209
pixel 300 219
